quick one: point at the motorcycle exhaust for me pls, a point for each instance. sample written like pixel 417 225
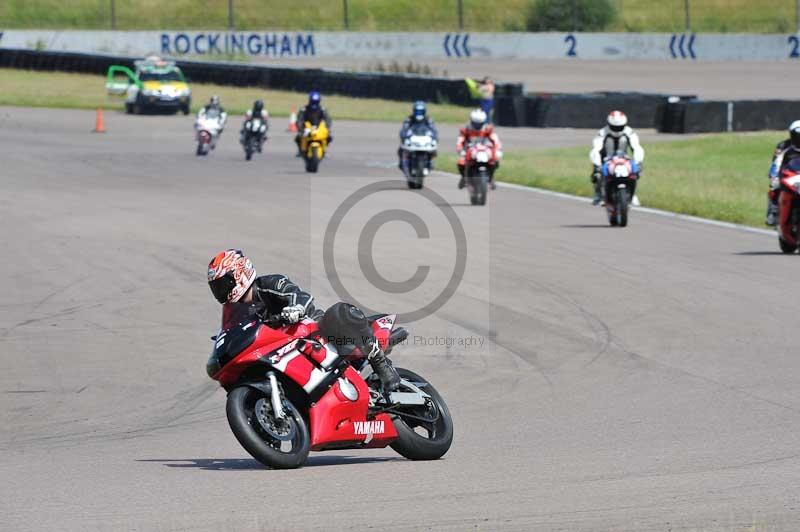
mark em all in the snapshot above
pixel 277 407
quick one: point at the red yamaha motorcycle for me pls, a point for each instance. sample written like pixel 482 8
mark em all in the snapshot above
pixel 291 391
pixel 789 207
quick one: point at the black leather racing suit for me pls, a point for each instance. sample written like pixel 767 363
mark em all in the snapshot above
pixel 271 293
pixel 342 324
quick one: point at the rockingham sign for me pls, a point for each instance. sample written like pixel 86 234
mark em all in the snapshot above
pixel 417 46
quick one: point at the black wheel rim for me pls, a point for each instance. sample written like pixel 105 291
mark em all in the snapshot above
pixel 432 411
pixel 282 436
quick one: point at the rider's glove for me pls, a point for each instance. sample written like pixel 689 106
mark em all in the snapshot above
pixel 293 313
pixel 774 183
pixel 306 132
pixel 499 154
pixel 462 153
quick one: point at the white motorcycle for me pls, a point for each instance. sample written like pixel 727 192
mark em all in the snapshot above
pixel 417 150
pixel 209 125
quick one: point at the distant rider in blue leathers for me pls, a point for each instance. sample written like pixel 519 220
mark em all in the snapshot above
pixel 419 115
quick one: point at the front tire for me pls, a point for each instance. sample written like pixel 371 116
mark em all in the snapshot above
pixel 245 420
pixel 786 247
pixel 622 207
pixel 312 162
pixel 413 445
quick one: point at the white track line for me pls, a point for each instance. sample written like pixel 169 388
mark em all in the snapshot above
pixel 648 210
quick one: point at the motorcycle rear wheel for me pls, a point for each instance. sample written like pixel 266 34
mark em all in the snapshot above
pixel 244 422
pixel 412 444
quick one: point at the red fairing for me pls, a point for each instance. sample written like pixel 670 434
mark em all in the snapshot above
pixel 625 163
pixel 267 340
pixel 788 200
pixel 337 421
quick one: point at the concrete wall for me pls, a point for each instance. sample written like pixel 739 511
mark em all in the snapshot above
pixel 604 46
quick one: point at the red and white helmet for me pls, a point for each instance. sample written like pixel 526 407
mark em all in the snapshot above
pixel 230 275
pixel 617 122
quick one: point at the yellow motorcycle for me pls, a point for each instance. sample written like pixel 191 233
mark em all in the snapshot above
pixel 313 144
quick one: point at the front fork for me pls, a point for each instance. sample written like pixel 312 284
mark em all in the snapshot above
pixel 275 396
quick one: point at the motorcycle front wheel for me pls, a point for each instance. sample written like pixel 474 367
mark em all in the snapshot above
pixel 622 207
pixel 786 247
pixel 279 444
pixel 312 161
pixel 418 438
pixel 479 188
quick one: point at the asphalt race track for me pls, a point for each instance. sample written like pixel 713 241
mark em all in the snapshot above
pixel 644 378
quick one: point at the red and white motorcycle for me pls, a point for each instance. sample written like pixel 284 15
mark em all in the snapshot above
pixel 480 161
pixel 208 125
pixel 789 208
pixel 291 391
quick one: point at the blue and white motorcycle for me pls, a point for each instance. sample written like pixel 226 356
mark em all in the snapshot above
pixel 417 151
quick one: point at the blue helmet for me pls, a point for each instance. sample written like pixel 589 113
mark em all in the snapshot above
pixel 314 99
pixel 419 111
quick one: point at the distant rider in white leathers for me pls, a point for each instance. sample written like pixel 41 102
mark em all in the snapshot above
pixel 616 137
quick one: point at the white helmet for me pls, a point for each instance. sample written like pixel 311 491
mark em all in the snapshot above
pixel 794 133
pixel 617 122
pixel 477 118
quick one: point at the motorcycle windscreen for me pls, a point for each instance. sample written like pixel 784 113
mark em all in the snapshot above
pixel 421 130
pixel 239 330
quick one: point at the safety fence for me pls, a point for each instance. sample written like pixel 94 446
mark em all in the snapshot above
pixel 402 87
pixel 666 113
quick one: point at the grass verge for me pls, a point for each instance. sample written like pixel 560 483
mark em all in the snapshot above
pixel 767 16
pixel 723 176
pixel 85 91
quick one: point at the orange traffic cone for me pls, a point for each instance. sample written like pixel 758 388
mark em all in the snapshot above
pixel 98 122
pixel 292 122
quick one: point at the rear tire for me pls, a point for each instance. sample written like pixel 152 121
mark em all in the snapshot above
pixel 415 446
pixel 253 437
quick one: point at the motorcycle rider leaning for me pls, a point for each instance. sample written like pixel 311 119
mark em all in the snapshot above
pixel 477 127
pixel 615 137
pixel 232 278
pixel 257 111
pixel 785 151
pixel 313 112
pixel 419 115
